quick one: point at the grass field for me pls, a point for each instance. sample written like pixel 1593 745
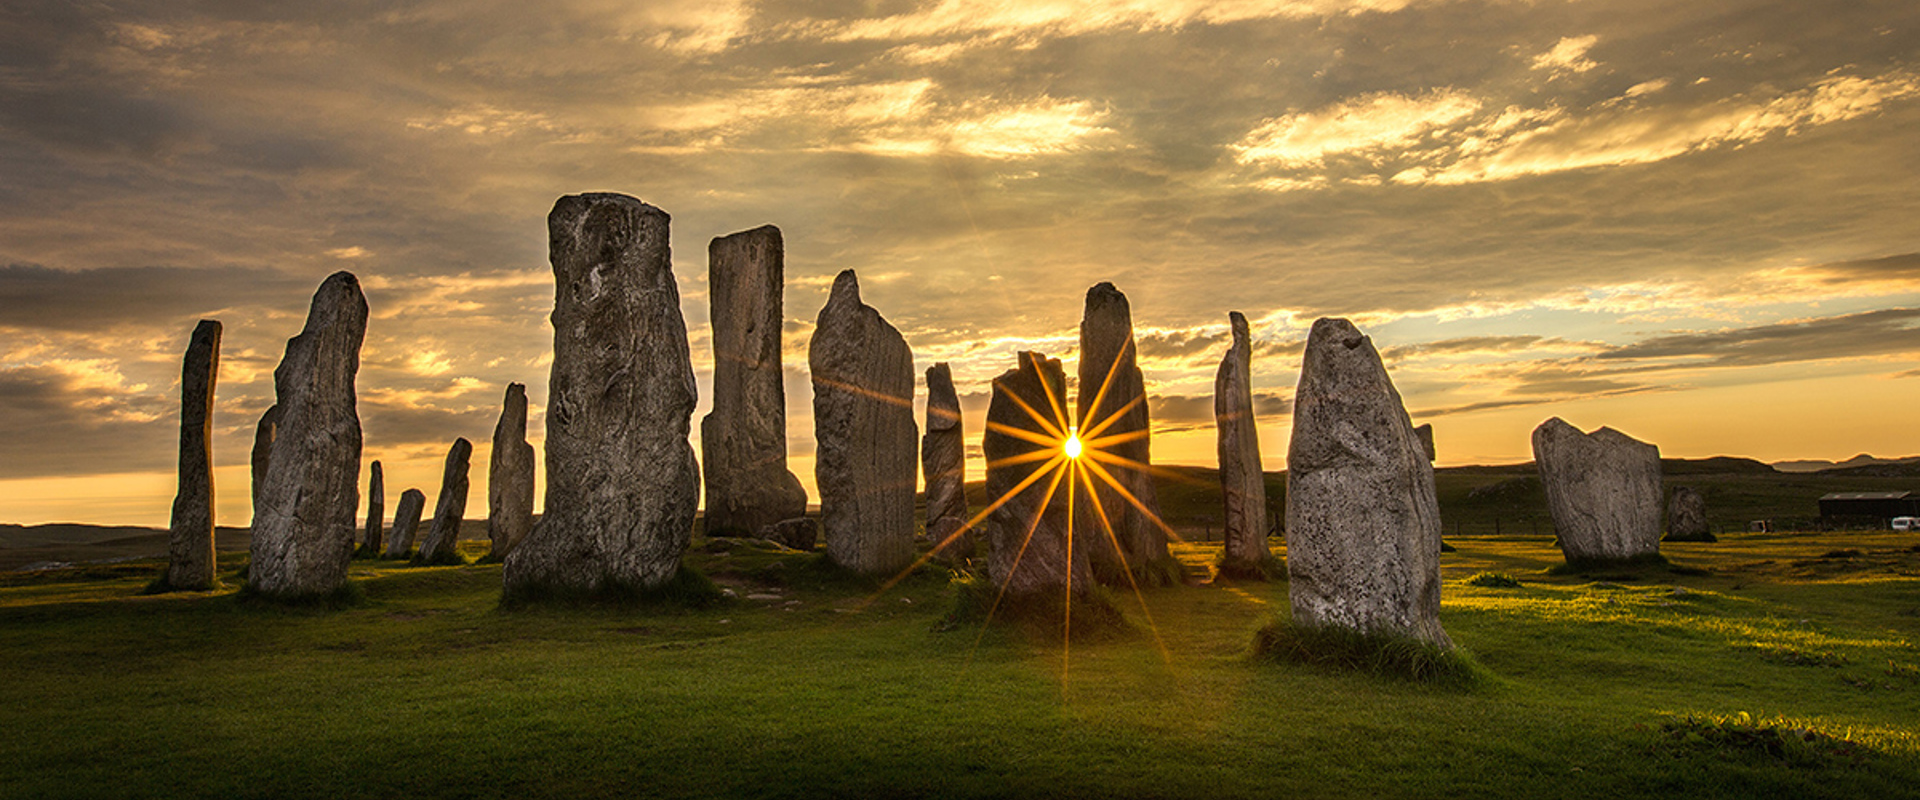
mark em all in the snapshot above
pixel 1771 665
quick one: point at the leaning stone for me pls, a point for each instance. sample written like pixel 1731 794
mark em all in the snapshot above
pixel 1363 525
pixel 1029 556
pixel 864 460
pixel 1243 484
pixel 622 483
pixel 443 537
pixel 190 559
pixel 943 462
pixel 799 533
pixel 510 476
pixel 406 523
pixel 376 510
pixel 1603 490
pixel 1687 517
pixel 743 441
pixel 304 524
pixel 1112 404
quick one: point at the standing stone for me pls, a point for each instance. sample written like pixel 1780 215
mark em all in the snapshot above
pixel 406 523
pixel 1425 434
pixel 1687 517
pixel 863 420
pixel 1243 485
pixel 376 510
pixel 1112 404
pixel 1603 490
pixel 303 526
pixel 1363 525
pixel 263 450
pixel 190 560
pixel 510 476
pixel 743 441
pixel 1030 558
pixel 943 460
pixel 443 537
pixel 622 484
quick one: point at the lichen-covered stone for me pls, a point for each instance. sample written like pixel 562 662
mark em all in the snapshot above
pixel 1363 524
pixel 943 463
pixel 1030 558
pixel 510 476
pixel 1603 490
pixel 190 559
pixel 1687 517
pixel 406 523
pixel 443 537
pixel 865 456
pixel 799 533
pixel 1243 485
pixel 1112 406
pixel 743 441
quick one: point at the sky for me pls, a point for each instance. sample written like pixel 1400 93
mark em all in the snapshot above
pixel 1698 223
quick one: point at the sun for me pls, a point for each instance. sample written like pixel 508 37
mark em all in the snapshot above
pixel 1072 447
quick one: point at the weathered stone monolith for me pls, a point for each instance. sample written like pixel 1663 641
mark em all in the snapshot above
pixel 863 421
pixel 743 441
pixel 1029 558
pixel 263 432
pixel 1687 517
pixel 943 462
pixel 303 526
pixel 443 536
pixel 622 483
pixel 1243 485
pixel 1425 434
pixel 1603 490
pixel 799 533
pixel 1363 525
pixel 1112 405
pixel 510 476
pixel 190 560
pixel 406 523
pixel 376 510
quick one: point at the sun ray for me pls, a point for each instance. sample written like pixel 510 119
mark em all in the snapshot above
pixel 1024 458
pixel 1031 478
pixel 1057 431
pixel 865 392
pixel 1092 440
pixel 1024 435
pixel 1138 466
pixel 1106 525
pixel 1066 601
pixel 1059 407
pixel 1112 370
pixel 1134 501
pixel 1108 420
pixel 1039 512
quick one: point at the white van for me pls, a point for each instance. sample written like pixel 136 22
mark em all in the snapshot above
pixel 1906 523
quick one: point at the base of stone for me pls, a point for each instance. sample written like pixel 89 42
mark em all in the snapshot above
pixel 1044 616
pixel 349 594
pixel 688 589
pixel 1161 572
pixel 1271 569
pixel 1383 655
pixel 451 558
pixel 1646 562
pixel 161 586
pixel 1698 537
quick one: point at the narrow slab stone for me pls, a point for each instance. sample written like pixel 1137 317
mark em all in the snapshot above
pixel 1112 406
pixel 1603 490
pixel 304 524
pixel 190 559
pixel 1029 556
pixel 443 537
pixel 263 432
pixel 376 510
pixel 1363 525
pixel 743 441
pixel 943 462
pixel 622 483
pixel 1243 485
pixel 865 459
pixel 510 476
pixel 406 523
pixel 1687 517
pixel 1425 434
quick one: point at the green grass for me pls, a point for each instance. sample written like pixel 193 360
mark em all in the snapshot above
pixel 1774 673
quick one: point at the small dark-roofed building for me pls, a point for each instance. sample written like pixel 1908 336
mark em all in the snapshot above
pixel 1870 504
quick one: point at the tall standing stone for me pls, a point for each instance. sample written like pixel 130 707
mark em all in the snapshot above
pixel 863 420
pixel 303 526
pixel 190 559
pixel 510 476
pixel 1112 404
pixel 743 441
pixel 406 523
pixel 622 483
pixel 376 510
pixel 1363 525
pixel 1603 490
pixel 1687 517
pixel 1243 485
pixel 1030 557
pixel 943 463
pixel 443 537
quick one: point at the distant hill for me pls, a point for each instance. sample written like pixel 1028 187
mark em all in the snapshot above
pixel 1820 465
pixel 1717 465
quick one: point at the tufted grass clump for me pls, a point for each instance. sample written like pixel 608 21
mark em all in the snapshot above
pixel 1744 737
pixel 1382 655
pixel 1494 580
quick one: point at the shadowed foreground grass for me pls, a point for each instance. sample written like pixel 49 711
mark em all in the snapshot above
pixel 1779 672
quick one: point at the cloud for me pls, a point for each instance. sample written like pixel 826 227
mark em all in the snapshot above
pixel 36 297
pixel 1567 55
pixel 80 418
pixel 1885 332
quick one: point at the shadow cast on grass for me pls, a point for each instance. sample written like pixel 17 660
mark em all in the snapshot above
pixel 687 589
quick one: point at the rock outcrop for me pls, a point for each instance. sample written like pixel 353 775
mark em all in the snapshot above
pixel 1687 517
pixel 864 461
pixel 190 560
pixel 1243 485
pixel 1029 556
pixel 1111 412
pixel 943 463
pixel 743 441
pixel 1603 490
pixel 443 536
pixel 376 510
pixel 510 476
pixel 1363 524
pixel 304 517
pixel 406 523
pixel 622 483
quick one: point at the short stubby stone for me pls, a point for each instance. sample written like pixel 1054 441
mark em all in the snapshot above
pixel 622 483
pixel 1687 517
pixel 406 523
pixel 865 459
pixel 799 533
pixel 1363 524
pixel 943 463
pixel 1030 556
pixel 190 559
pixel 443 536
pixel 510 476
pixel 1111 415
pixel 376 510
pixel 743 441
pixel 303 527
pixel 1425 434
pixel 1243 484
pixel 1603 490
